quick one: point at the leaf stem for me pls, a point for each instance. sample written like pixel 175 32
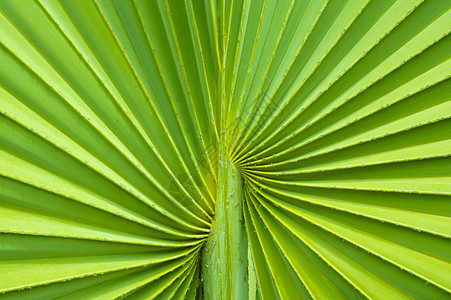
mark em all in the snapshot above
pixel 225 256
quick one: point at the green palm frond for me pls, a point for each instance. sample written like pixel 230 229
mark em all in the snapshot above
pixel 260 149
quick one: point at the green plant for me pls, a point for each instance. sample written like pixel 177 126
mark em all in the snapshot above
pixel 225 149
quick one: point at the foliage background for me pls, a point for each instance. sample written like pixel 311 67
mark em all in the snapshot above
pixel 336 114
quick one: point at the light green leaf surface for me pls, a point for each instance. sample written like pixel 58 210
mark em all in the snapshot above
pixel 260 149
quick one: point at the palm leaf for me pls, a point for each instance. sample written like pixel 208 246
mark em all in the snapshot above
pixel 225 149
